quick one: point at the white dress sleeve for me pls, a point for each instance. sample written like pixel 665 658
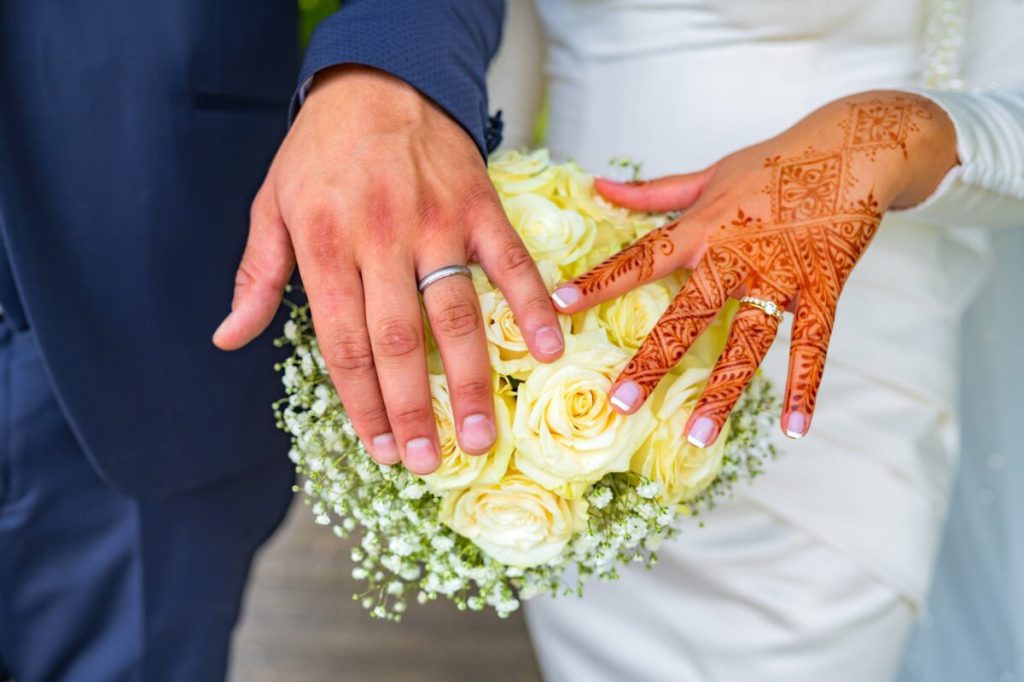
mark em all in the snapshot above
pixel 987 188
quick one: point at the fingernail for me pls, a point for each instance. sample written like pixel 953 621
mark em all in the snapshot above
pixel 702 432
pixel 626 395
pixel 477 432
pixel 420 456
pixel 796 425
pixel 549 340
pixel 565 296
pixel 609 181
pixel 385 449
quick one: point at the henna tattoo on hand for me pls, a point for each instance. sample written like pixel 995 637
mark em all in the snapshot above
pixel 801 252
pixel 878 124
pixel 638 258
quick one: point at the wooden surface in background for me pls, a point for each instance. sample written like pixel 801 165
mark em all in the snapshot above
pixel 300 624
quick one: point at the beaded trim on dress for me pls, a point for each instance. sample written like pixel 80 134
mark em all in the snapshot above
pixel 943 48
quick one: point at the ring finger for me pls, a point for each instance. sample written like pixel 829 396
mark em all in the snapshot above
pixel 750 337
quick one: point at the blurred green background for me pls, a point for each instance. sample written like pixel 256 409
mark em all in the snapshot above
pixel 311 12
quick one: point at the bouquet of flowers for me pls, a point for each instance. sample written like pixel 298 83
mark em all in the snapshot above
pixel 570 486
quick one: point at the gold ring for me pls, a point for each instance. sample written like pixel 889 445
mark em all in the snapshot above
pixel 768 307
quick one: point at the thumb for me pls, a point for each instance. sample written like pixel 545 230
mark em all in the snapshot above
pixel 266 267
pixel 669 193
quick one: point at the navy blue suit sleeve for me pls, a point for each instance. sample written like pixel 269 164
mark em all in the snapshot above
pixel 440 47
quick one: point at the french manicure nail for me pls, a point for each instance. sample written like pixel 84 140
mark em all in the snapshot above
pixel 421 456
pixel 477 432
pixel 796 425
pixel 702 432
pixel 565 296
pixel 549 340
pixel 385 449
pixel 626 395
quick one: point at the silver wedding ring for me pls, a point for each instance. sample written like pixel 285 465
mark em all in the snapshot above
pixel 768 307
pixel 441 273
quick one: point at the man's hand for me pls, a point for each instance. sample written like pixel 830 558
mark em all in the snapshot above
pixel 373 188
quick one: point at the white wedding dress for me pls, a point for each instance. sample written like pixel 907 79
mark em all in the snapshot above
pixel 815 571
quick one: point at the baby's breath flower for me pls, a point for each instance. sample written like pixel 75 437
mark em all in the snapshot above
pixel 649 489
pixel 600 497
pixel 414 491
pixel 403 548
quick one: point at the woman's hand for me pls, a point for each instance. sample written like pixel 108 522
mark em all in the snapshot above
pixel 373 188
pixel 783 221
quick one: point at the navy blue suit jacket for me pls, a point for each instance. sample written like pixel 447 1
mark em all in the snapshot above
pixel 133 136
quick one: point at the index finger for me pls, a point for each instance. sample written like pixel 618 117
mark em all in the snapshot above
pixel 652 256
pixel 691 311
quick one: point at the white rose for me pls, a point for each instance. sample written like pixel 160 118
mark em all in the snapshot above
pixel 563 237
pixel 515 172
pixel 629 318
pixel 567 434
pixel 481 282
pixel 458 468
pixel 506 347
pixel 574 189
pixel 515 521
pixel 682 469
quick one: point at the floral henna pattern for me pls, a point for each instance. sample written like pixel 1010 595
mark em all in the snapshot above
pixel 883 124
pixel 810 256
pixel 680 325
pixel 750 338
pixel 812 328
pixel 639 258
pixel 807 188
pixel 801 251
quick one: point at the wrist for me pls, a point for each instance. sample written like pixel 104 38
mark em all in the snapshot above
pixel 928 153
pixel 375 97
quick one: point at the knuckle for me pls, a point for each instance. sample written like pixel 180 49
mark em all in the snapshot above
pixel 718 402
pixel 373 418
pixel 457 319
pixel 321 234
pixel 245 275
pixel 397 338
pixel 412 415
pixel 479 200
pixel 257 210
pixel 244 280
pixel 380 220
pixel 537 306
pixel 350 352
pixel 474 390
pixel 255 273
pixel 432 218
pixel 262 206
pixel 319 216
pixel 515 259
